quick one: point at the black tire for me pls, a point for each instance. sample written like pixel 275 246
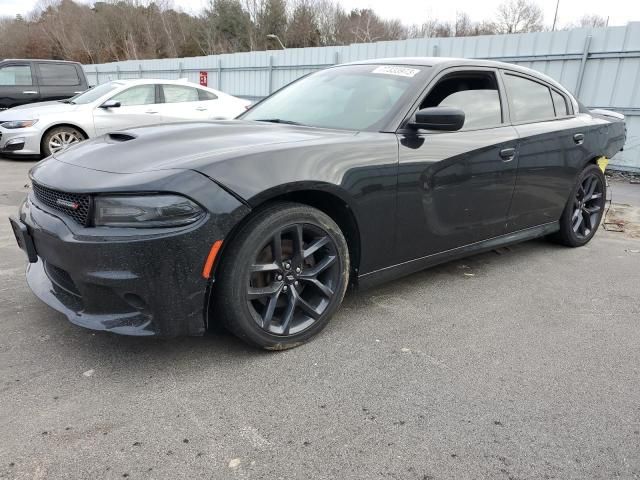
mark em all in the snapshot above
pixel 73 135
pixel 584 211
pixel 261 296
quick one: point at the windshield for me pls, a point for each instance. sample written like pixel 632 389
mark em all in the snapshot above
pixel 94 93
pixel 352 97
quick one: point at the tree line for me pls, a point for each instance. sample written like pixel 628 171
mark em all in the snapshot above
pixel 115 30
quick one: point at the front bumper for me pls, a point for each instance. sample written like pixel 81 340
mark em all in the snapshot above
pixel 20 141
pixel 129 281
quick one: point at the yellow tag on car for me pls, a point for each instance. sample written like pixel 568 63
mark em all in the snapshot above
pixel 602 163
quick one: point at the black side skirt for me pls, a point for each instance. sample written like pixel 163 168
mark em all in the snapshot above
pixel 386 274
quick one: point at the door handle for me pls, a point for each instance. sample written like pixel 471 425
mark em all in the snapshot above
pixel 201 109
pixel 507 154
pixel 578 138
pixel 30 92
pixel 151 111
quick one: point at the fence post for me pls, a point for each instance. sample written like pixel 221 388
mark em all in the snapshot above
pixel 436 52
pixel 336 57
pixel 97 76
pixel 140 70
pixel 583 64
pixel 220 74
pixel 118 72
pixel 180 70
pixel 270 74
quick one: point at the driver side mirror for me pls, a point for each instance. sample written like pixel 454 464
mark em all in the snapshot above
pixel 110 104
pixel 447 119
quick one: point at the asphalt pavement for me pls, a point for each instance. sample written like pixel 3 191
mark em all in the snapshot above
pixel 523 364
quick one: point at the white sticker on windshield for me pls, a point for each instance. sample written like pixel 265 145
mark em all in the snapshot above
pixel 399 71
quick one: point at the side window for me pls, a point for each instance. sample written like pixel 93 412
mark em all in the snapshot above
pixel 475 93
pixel 140 95
pixel 179 94
pixel 52 74
pixel 530 101
pixel 559 103
pixel 14 75
pixel 206 95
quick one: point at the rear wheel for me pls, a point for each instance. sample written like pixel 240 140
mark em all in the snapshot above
pixel 283 277
pixel 59 138
pixel 584 210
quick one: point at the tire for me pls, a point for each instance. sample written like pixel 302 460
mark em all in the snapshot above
pixel 59 138
pixel 262 297
pixel 584 210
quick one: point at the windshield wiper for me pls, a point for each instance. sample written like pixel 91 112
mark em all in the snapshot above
pixel 67 101
pixel 279 120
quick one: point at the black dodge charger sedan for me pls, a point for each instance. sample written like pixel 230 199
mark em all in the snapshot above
pixel 356 174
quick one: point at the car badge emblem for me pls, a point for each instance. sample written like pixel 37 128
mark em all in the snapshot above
pixel 67 204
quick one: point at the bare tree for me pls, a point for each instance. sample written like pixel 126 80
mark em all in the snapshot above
pixel 519 16
pixel 590 21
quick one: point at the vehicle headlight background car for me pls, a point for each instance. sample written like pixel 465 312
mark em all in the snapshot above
pixel 18 124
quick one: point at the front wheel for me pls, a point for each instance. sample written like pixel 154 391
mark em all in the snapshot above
pixel 59 138
pixel 283 276
pixel 584 210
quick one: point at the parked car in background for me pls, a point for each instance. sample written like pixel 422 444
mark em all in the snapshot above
pixel 30 81
pixel 49 127
pixel 359 173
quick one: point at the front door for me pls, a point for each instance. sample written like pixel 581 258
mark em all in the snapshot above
pixel 139 106
pixel 455 188
pixel 18 85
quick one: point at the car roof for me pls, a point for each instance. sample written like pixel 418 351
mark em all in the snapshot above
pixel 146 81
pixel 445 62
pixel 37 60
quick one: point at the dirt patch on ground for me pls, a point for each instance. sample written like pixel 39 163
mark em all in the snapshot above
pixel 623 218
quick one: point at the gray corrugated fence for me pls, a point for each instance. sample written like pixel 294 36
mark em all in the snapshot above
pixel 601 66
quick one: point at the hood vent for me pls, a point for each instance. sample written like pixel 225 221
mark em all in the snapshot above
pixel 121 137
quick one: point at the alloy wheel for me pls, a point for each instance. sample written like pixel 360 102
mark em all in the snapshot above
pixel 293 279
pixel 587 206
pixel 61 140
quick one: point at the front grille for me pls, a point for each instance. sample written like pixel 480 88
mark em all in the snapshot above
pixel 74 205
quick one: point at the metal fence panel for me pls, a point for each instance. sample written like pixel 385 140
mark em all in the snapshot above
pixel 601 66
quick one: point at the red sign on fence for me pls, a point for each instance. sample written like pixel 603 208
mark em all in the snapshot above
pixel 204 78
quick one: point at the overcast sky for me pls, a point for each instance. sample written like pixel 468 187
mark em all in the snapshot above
pixel 416 11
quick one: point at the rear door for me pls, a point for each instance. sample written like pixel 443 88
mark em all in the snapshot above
pixel 139 106
pixel 58 80
pixel 455 188
pixel 18 84
pixel 550 150
pixel 183 103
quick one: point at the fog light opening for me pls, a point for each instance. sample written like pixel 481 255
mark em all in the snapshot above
pixel 135 301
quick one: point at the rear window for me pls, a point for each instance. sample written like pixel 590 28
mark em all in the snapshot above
pixel 179 94
pixel 57 74
pixel 206 95
pixel 530 101
pixel 560 104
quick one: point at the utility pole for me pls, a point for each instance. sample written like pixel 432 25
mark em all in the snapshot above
pixel 555 17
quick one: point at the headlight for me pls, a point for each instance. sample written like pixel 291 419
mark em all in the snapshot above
pixel 19 124
pixel 145 211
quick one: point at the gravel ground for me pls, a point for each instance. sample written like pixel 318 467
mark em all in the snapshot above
pixel 523 364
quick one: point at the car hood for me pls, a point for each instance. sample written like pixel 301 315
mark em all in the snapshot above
pixel 36 110
pixel 189 145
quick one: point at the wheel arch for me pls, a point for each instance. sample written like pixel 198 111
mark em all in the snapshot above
pixel 327 198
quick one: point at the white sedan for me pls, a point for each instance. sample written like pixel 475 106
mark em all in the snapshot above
pixel 48 127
